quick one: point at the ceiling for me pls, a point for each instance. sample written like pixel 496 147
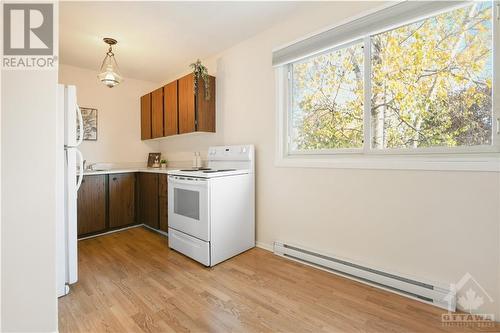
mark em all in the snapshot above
pixel 157 40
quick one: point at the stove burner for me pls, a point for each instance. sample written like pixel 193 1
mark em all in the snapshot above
pixel 221 170
pixel 196 169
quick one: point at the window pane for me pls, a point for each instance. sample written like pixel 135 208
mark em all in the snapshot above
pixel 327 101
pixel 431 81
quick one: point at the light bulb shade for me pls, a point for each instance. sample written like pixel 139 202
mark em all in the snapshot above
pixel 109 74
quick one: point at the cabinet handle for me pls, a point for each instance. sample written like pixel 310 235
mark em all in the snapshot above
pixel 114 178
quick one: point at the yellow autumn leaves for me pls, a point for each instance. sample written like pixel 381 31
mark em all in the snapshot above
pixel 430 86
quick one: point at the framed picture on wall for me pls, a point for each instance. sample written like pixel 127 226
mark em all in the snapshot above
pixel 89 116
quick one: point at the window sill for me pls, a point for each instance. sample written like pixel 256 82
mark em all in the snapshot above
pixel 489 163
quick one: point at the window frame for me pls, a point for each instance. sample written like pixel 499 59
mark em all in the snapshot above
pixel 284 107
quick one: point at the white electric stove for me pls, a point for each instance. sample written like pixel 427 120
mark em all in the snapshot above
pixel 211 211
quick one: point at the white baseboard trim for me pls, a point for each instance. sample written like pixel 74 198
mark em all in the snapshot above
pixel 111 232
pixel 264 246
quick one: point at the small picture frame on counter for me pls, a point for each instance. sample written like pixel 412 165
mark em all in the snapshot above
pixel 154 160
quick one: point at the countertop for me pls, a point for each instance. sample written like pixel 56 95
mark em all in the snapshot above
pixel 126 170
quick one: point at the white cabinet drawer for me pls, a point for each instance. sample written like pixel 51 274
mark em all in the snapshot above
pixel 189 246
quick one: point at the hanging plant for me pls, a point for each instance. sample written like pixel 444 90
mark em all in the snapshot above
pixel 200 72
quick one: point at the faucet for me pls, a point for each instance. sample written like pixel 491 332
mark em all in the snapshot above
pixel 88 167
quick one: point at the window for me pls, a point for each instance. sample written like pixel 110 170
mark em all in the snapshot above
pixel 425 85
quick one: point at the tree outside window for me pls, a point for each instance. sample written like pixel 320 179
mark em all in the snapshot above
pixel 431 86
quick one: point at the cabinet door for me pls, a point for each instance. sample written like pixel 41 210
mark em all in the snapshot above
pixel 163 211
pixel 186 104
pixel 146 117
pixel 121 199
pixel 162 185
pixel 205 109
pixel 170 109
pixel 148 199
pixel 163 202
pixel 91 206
pixel 157 113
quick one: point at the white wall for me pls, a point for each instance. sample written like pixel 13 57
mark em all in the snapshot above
pixel 434 225
pixel 28 141
pixel 118 116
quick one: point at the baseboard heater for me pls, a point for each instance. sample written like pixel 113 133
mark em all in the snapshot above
pixel 422 291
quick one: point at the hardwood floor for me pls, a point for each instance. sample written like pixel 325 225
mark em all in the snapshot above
pixel 131 282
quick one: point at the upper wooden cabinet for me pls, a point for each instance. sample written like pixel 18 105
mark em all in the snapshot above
pixel 176 109
pixel 146 117
pixel 205 109
pixel 195 112
pixel 170 109
pixel 157 113
pixel 186 105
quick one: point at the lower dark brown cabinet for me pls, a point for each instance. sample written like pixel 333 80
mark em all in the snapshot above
pixel 107 202
pixel 121 199
pixel 148 199
pixel 163 202
pixel 91 206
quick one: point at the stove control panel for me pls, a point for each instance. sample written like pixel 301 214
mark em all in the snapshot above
pixel 231 153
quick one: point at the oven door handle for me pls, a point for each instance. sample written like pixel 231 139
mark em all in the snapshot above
pixel 187 180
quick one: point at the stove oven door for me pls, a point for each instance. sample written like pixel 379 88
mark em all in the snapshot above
pixel 188 205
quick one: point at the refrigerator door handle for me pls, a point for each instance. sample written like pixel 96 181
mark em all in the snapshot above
pixel 80 174
pixel 80 121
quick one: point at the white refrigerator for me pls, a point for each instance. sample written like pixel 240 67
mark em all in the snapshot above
pixel 69 161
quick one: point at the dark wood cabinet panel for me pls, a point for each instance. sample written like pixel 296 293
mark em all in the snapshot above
pixel 171 126
pixel 163 201
pixel 162 185
pixel 148 199
pixel 205 109
pixel 91 205
pixel 146 117
pixel 121 199
pixel 157 113
pixel 163 211
pixel 186 104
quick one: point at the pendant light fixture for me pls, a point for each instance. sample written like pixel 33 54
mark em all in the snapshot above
pixel 109 74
